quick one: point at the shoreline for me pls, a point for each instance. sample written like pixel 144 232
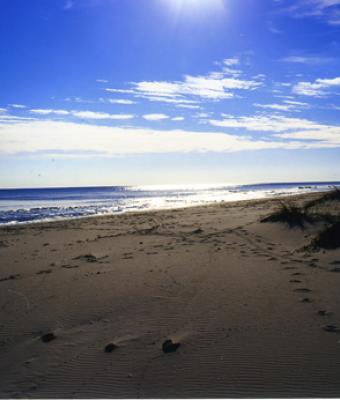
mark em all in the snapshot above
pixel 87 306
pixel 208 204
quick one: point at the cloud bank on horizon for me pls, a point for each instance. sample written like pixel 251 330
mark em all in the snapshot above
pixel 138 79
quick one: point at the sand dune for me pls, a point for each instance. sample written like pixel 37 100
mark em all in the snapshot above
pixel 253 310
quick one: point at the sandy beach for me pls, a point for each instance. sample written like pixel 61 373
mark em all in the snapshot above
pixel 250 308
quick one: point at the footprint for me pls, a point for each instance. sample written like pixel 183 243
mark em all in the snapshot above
pixel 295 281
pixel 305 290
pixel 324 313
pixel 70 266
pixel 306 300
pixel 10 277
pixel 331 328
pixel 44 271
pixel 312 265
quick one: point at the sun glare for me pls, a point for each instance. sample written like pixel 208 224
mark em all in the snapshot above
pixel 195 6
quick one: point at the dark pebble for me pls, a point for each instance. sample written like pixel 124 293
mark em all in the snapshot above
pixel 109 348
pixel 170 347
pixel 48 337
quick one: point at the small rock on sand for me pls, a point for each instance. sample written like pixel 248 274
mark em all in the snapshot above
pixel 109 348
pixel 169 346
pixel 48 337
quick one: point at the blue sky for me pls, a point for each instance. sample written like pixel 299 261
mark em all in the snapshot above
pixel 105 92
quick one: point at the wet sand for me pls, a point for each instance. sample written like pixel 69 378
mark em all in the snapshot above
pixel 86 306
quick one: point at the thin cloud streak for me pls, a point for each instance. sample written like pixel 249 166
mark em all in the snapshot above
pixel 83 114
pixel 155 117
pixel 307 60
pixel 284 127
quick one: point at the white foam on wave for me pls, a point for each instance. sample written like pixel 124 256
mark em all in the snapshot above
pixel 140 199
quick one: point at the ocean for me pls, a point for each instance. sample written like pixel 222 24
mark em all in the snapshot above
pixel 35 205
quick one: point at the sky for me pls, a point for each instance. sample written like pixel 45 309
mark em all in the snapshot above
pixel 112 92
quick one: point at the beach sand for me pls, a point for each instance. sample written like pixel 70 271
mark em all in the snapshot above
pixel 254 313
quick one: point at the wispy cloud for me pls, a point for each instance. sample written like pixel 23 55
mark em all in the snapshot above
pixel 9 118
pixel 284 128
pixel 47 111
pixel 287 105
pixel 101 115
pixel 19 106
pixel 83 114
pixel 269 123
pixel 155 117
pixel 121 101
pixel 191 90
pixel 276 107
pixel 317 88
pixel 330 134
pixel 307 60
pixel 231 62
pixel 68 4
pixel 203 115
pixel 78 99
pixel 325 10
pixel 273 29
pixel 189 106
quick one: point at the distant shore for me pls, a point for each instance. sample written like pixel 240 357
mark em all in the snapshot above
pixel 204 301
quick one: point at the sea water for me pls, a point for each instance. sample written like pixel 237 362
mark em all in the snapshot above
pixel 29 205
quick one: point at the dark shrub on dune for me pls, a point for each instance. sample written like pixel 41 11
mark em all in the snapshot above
pixel 333 195
pixel 329 238
pixel 291 215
